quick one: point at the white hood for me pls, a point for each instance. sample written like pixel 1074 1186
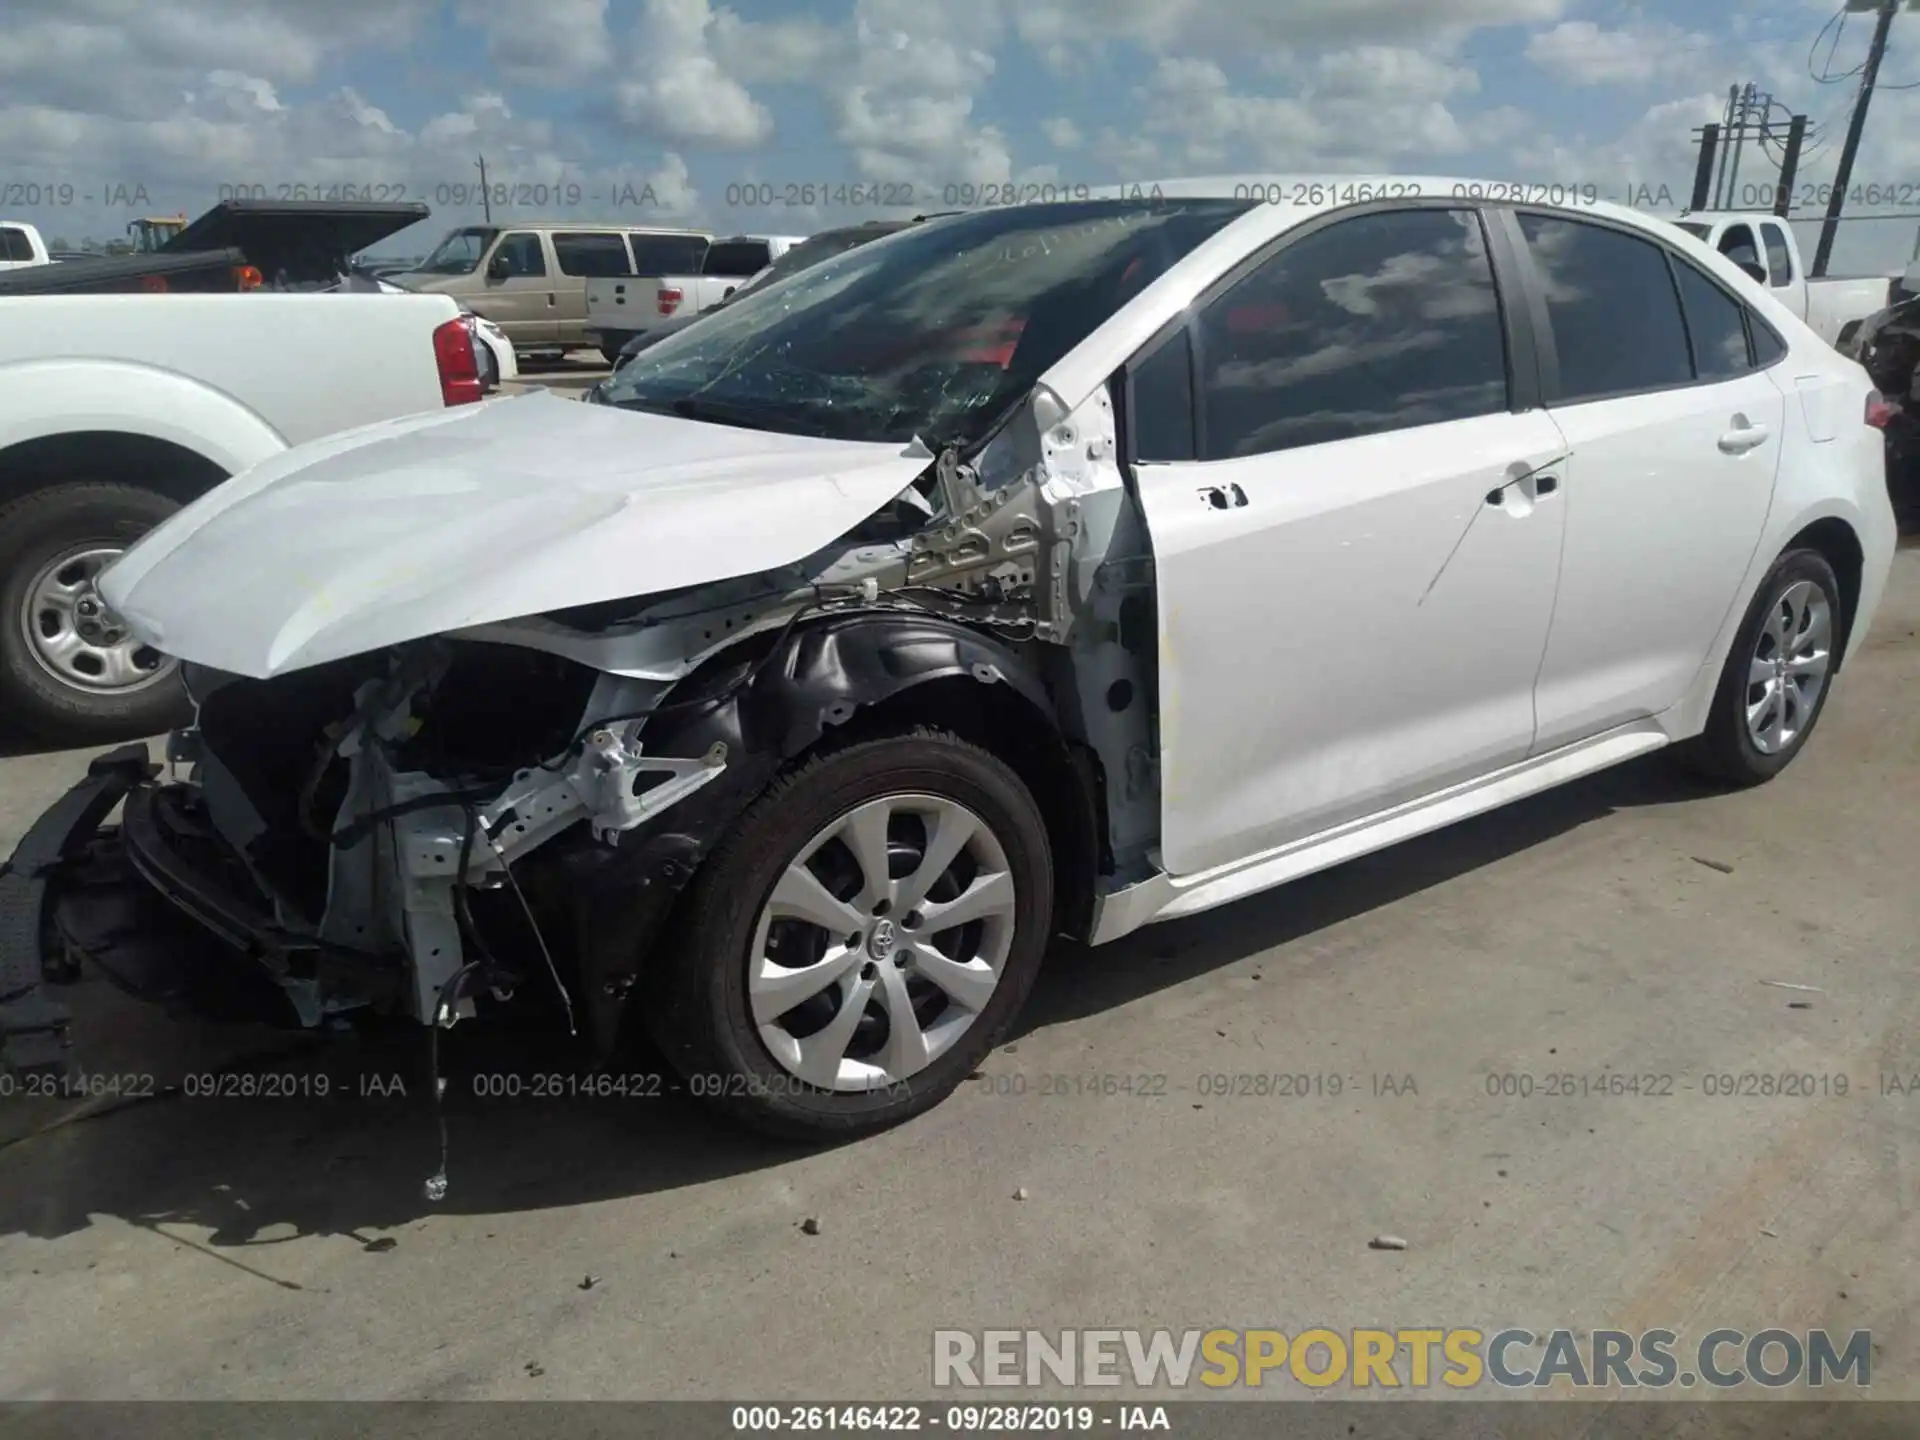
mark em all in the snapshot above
pixel 479 514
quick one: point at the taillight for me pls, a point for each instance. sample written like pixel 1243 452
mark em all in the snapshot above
pixel 246 277
pixel 668 300
pixel 153 284
pixel 1879 412
pixel 459 370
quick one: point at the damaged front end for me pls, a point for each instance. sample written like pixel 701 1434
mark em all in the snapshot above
pixel 509 811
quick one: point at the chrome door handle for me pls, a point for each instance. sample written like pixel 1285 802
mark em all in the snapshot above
pixel 1747 437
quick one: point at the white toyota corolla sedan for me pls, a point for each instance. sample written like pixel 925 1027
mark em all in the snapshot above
pixel 1044 570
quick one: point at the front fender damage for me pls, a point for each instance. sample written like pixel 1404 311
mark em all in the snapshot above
pixel 819 677
pixel 443 824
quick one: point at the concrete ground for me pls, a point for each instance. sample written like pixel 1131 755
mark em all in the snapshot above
pixel 1631 924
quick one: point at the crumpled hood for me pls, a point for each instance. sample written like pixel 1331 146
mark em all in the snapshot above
pixel 478 514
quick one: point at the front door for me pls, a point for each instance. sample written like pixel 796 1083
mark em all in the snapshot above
pixel 520 296
pixel 1356 543
pixel 1675 434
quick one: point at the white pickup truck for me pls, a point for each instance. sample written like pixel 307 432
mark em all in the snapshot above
pixel 21 245
pixel 621 307
pixel 1764 246
pixel 116 410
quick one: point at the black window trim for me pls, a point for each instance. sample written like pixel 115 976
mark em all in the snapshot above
pixel 1552 394
pixel 1525 360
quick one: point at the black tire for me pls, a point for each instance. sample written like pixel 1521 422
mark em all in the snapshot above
pixel 34 530
pixel 696 1000
pixel 1725 750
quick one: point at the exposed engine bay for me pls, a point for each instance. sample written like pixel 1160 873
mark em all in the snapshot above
pixel 512 808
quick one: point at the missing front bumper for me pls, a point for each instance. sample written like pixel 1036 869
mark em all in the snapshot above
pixel 158 908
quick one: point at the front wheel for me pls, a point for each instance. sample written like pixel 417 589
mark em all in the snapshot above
pixel 1775 682
pixel 70 672
pixel 861 941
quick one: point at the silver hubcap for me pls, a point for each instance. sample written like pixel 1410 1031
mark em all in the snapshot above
pixel 882 942
pixel 1788 670
pixel 75 637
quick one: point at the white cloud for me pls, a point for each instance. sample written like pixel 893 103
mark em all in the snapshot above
pixel 1061 132
pixel 676 88
pixel 1080 28
pixel 543 42
pixel 1583 53
pixel 1370 107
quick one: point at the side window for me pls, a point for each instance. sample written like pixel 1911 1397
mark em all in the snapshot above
pixel 1737 244
pixel 522 250
pixel 1163 400
pixel 1767 344
pixel 1779 255
pixel 1380 322
pixel 1611 302
pixel 736 259
pixel 14 244
pixel 1716 324
pixel 581 253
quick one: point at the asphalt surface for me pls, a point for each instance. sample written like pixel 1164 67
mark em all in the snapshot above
pixel 1629 925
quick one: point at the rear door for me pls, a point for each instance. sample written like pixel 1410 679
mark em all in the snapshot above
pixel 1356 532
pixel 1674 428
pixel 520 300
pixel 582 256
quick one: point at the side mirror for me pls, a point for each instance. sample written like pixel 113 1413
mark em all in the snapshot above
pixel 500 267
pixel 1753 271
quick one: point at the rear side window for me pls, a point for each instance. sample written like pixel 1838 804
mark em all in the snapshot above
pixel 1779 256
pixel 1767 345
pixel 668 254
pixel 1380 322
pixel 588 254
pixel 14 244
pixel 523 254
pixel 737 259
pixel 1716 325
pixel 1611 302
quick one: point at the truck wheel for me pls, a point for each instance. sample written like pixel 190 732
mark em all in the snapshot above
pixel 862 939
pixel 69 673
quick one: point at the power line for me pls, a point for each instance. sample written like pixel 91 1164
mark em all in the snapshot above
pixel 1837 22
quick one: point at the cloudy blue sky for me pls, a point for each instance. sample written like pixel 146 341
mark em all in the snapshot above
pixel 683 105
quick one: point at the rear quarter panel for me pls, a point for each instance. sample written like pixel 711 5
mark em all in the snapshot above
pixel 1842 477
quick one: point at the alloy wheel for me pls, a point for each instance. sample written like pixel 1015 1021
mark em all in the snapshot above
pixel 1788 669
pixel 881 943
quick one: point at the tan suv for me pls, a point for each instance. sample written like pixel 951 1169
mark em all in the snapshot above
pixel 531 279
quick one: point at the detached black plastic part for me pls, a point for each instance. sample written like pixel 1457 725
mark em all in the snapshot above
pixel 33 1028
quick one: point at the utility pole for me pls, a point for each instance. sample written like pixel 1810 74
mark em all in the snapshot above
pixel 486 197
pixel 1843 176
pixel 1789 166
